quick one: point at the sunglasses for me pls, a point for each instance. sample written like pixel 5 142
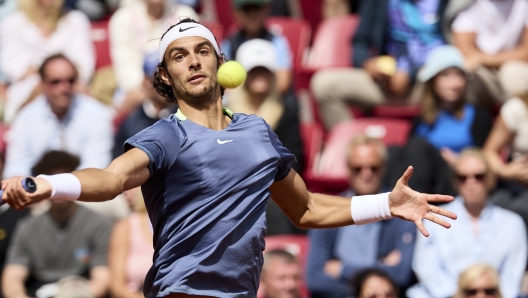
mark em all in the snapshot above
pixel 58 81
pixel 463 178
pixel 473 292
pixel 373 169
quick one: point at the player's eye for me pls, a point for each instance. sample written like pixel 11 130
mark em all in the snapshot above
pixel 203 52
pixel 178 57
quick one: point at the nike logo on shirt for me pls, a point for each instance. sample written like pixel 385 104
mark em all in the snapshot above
pixel 223 142
pixel 181 29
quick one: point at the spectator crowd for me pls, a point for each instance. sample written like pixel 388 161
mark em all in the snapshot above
pixel 76 83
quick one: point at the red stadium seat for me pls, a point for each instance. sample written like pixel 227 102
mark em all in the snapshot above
pixel 296 31
pixel 224 12
pixel 312 11
pixel 331 173
pixel 101 43
pixel 393 111
pixel 297 245
pixel 332 46
pixel 312 137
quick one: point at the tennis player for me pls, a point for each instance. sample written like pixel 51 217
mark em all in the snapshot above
pixel 206 175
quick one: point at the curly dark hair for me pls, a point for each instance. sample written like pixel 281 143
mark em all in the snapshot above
pixel 361 277
pixel 166 90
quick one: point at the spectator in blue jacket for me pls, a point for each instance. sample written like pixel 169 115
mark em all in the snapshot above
pixel 390 45
pixel 337 255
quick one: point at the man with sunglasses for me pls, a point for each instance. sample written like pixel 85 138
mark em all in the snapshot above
pixel 483 233
pixel 338 255
pixel 59 119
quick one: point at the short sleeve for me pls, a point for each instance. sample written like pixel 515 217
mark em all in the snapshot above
pixel 466 20
pixel 513 112
pixel 18 251
pixel 161 142
pixel 284 54
pixel 287 159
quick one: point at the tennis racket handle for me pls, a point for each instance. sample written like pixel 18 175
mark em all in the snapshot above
pixel 27 183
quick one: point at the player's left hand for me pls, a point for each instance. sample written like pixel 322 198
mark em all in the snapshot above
pixel 411 205
pixel 18 198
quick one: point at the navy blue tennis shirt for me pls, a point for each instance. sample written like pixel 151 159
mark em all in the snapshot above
pixel 206 197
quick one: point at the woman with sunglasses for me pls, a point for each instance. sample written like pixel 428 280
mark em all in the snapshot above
pixel 479 281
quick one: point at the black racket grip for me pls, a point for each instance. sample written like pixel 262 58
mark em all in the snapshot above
pixel 27 183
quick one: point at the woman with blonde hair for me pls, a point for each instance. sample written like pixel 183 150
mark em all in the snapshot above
pixel 479 281
pixel 38 29
pixel 131 250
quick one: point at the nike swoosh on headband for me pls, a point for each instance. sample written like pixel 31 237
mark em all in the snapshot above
pixel 181 29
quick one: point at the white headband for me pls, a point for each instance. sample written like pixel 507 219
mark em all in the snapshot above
pixel 186 30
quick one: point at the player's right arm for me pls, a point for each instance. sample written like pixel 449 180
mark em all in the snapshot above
pixel 126 172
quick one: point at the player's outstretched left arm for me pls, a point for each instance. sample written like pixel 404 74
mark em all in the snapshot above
pixel 313 210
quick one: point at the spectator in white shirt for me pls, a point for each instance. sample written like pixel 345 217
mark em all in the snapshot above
pixel 38 29
pixel 483 232
pixel 135 31
pixel 493 36
pixel 59 119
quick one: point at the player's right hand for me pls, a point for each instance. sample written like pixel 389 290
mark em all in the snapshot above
pixel 18 198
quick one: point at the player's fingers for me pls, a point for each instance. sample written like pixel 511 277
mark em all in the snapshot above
pixel 437 220
pixel 439 198
pixel 407 175
pixel 443 212
pixel 11 194
pixel 421 227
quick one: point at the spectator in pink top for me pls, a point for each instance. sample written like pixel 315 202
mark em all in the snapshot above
pixel 131 250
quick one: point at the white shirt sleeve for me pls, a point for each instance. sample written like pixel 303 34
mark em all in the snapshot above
pixel 80 47
pixel 466 20
pixel 127 58
pixel 97 151
pixel 512 269
pixel 512 112
pixel 19 156
pixel 15 57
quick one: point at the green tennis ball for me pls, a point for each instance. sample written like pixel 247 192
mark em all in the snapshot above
pixel 231 74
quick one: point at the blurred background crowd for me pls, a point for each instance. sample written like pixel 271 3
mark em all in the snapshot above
pixel 357 89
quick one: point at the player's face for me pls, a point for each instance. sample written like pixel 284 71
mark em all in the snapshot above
pixel 472 180
pixel 192 65
pixel 366 169
pixel 282 280
pixel 449 85
pixel 58 84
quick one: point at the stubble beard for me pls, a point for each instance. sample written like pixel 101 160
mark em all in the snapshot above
pixel 197 98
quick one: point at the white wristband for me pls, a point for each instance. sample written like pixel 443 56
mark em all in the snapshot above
pixel 64 186
pixel 370 208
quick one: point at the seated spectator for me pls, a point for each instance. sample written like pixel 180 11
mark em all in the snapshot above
pixel 153 108
pixel 59 119
pixel 479 280
pixel 337 255
pixel 281 275
pixel 510 131
pixel 447 121
pixel 250 16
pixel 493 36
pixel 131 251
pixel 405 30
pixel 483 232
pixel 29 35
pixel 259 95
pixel 69 241
pixel 374 283
pixel 134 33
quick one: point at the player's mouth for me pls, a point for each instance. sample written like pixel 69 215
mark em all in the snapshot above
pixel 196 79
